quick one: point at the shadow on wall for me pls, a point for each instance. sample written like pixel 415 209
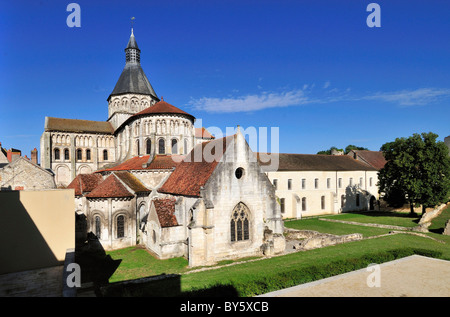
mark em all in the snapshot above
pixel 356 199
pixel 22 245
pixel 96 266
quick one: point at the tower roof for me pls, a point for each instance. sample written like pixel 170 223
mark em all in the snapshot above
pixel 132 41
pixel 133 79
pixel 163 107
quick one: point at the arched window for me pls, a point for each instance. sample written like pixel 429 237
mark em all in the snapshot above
pixel 148 146
pixel 304 204
pixel 66 154
pixel 56 154
pixel 88 155
pixel 174 146
pixel 239 223
pixel 137 147
pixel 79 155
pixel 161 146
pixel 120 226
pixel 342 201
pixel 98 226
pixel 322 202
pixel 105 155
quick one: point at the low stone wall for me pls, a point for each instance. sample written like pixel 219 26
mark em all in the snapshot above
pixel 430 215
pixel 313 239
pixel 447 228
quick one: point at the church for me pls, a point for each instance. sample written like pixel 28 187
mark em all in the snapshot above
pixel 147 176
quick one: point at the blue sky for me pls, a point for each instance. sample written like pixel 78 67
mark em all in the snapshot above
pixel 314 69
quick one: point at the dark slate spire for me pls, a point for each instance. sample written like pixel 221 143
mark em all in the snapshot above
pixel 133 79
pixel 132 52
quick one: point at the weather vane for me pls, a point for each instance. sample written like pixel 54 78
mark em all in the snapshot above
pixel 132 21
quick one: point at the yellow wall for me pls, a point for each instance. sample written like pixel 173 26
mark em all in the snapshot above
pixel 36 228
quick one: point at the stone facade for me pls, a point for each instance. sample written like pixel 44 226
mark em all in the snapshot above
pixel 311 185
pixel 69 154
pixel 21 174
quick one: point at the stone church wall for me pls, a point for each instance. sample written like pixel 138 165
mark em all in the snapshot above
pixel 22 174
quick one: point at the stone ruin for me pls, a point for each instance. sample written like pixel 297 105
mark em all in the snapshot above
pixel 308 239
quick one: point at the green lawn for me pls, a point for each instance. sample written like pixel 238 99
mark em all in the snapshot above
pixel 383 217
pixel 137 262
pixel 316 224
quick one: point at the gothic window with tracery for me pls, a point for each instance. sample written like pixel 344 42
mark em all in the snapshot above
pixel 239 223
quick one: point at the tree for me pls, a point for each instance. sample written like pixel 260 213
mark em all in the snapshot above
pixel 354 147
pixel 417 170
pixel 347 149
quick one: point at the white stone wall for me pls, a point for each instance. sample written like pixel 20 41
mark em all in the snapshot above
pixel 23 174
pixel 108 209
pixel 132 138
pixel 69 164
pixel 210 237
pixel 122 107
pixel 331 185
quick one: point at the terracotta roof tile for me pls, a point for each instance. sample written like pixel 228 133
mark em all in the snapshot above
pixel 159 162
pixel 163 107
pixel 194 171
pixel 373 158
pixel 203 133
pixel 85 183
pixel 165 209
pixel 111 187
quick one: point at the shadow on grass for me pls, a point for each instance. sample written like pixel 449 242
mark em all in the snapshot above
pixel 161 286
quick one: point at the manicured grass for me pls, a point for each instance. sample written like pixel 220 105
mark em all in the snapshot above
pixel 250 278
pixel 137 262
pixel 379 217
pixel 265 269
pixel 438 223
pixel 316 224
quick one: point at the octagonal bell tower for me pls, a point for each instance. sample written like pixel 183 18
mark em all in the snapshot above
pixel 133 91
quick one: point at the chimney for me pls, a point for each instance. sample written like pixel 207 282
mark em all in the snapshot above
pixel 13 154
pixel 34 156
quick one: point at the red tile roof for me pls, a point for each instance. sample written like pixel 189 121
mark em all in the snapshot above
pixel 163 107
pixel 84 183
pixel 165 209
pixel 203 133
pixel 195 170
pixel 159 162
pixel 111 187
pixel 373 158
